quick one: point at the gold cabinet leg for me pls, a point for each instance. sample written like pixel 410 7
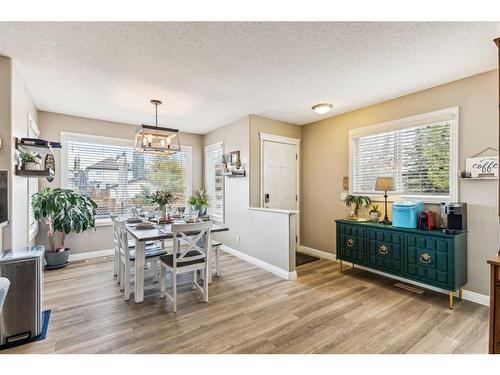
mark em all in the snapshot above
pixel 460 292
pixel 451 301
pixel 341 266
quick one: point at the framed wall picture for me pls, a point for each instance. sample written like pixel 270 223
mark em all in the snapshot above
pixel 482 166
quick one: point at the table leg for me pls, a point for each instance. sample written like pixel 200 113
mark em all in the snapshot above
pixel 139 271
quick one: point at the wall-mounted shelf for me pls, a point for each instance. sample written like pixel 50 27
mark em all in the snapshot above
pixel 40 146
pixel 478 178
pixel 34 173
pixel 236 173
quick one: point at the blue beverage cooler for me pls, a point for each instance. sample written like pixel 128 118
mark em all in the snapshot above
pixel 405 213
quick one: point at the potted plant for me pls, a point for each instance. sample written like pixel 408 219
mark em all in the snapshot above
pixel 199 201
pixel 64 211
pixel 163 199
pixel 375 213
pixel 355 203
pixel 224 163
pixel 30 160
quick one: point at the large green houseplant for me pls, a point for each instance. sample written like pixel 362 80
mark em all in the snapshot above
pixel 64 211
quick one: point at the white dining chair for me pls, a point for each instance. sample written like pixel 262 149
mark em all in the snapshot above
pixel 187 256
pixel 127 259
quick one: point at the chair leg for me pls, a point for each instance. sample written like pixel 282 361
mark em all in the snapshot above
pixel 126 292
pixel 163 280
pixel 154 266
pixel 217 260
pixel 115 263
pixel 205 283
pixel 119 265
pixel 122 275
pixel 194 279
pixel 174 292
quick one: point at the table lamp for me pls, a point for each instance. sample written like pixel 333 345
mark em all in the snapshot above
pixel 385 184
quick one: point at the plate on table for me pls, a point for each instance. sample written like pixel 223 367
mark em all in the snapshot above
pixel 144 226
pixel 133 220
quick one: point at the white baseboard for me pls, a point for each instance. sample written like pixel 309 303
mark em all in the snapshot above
pixel 90 255
pixel 316 252
pixel 468 295
pixel 261 264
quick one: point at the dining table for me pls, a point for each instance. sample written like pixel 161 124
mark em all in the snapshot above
pixel 158 233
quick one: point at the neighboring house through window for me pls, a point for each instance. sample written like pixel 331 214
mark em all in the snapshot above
pixel 214 181
pixel 420 153
pixel 116 177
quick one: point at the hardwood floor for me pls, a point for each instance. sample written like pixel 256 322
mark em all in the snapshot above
pixel 253 311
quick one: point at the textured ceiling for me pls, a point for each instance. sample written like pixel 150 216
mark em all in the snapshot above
pixel 209 74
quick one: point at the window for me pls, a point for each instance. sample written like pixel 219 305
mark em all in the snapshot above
pixel 419 152
pixel 214 181
pixel 117 178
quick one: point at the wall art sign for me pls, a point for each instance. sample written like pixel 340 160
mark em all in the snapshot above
pixel 482 166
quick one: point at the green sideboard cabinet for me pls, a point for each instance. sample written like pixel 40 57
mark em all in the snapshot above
pixel 428 257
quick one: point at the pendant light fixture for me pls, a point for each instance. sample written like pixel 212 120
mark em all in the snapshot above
pixel 156 139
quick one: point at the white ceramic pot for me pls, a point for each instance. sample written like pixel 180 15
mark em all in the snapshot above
pixel 375 216
pixel 32 166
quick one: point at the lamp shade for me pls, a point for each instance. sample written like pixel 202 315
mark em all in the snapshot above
pixel 384 184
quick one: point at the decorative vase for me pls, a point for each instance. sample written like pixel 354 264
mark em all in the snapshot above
pixel 375 216
pixel 203 210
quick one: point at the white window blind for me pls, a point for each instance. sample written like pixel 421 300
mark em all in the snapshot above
pixel 421 159
pixel 117 178
pixel 214 181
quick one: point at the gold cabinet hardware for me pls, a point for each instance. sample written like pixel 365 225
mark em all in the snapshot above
pixel 350 242
pixel 425 258
pixel 384 250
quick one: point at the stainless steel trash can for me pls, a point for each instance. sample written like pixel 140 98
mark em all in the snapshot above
pixel 22 309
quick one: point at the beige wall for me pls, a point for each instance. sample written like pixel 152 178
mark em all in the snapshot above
pixel 5 135
pixel 52 124
pixel 249 230
pixel 22 105
pixel 325 161
pixel 15 105
pixel 264 125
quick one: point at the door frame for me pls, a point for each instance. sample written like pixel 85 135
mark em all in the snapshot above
pixel 278 139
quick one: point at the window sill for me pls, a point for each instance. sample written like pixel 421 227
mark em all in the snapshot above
pixel 397 198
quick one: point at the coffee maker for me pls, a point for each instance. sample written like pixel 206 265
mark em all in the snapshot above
pixel 454 217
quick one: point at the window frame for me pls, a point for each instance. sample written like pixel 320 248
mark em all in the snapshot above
pixel 208 148
pixel 66 137
pixel 448 114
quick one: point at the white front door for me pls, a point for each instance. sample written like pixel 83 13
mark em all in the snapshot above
pixel 280 175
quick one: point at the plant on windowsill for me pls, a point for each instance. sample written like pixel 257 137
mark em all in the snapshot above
pixel 355 203
pixel 64 211
pixel 31 161
pixel 199 201
pixel 375 213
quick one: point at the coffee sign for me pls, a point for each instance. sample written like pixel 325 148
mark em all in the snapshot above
pixel 482 166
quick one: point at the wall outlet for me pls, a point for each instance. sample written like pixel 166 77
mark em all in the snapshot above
pixel 238 238
pixel 343 196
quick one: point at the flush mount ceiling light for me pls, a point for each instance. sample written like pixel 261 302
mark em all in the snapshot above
pixel 156 139
pixel 322 108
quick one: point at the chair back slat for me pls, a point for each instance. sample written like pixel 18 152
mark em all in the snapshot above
pixel 191 234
